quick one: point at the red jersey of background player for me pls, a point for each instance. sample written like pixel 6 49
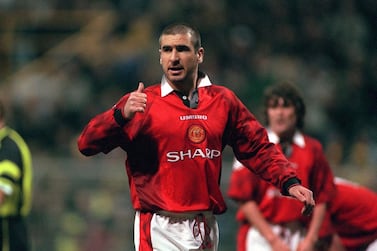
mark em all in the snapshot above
pixel 312 168
pixel 171 147
pixel 354 214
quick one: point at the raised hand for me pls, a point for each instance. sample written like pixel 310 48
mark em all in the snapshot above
pixel 137 102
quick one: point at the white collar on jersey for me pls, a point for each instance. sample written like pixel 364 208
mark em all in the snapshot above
pixel 166 88
pixel 298 138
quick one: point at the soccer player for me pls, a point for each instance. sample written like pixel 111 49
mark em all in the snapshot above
pixel 354 217
pixel 270 221
pixel 15 188
pixel 174 133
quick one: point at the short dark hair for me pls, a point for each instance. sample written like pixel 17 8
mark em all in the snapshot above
pixel 181 28
pixel 290 94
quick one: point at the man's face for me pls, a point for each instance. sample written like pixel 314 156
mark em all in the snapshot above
pixel 178 58
pixel 281 117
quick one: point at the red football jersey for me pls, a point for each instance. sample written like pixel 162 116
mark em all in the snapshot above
pixel 354 214
pixel 174 152
pixel 312 168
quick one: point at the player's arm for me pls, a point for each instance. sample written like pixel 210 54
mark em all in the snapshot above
pixel 314 226
pixel 106 131
pixel 323 188
pixel 252 213
pixel 336 244
pixel 10 171
pixel 101 134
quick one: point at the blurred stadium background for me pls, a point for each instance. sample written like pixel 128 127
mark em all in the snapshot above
pixel 64 61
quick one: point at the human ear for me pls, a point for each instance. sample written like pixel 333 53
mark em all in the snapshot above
pixel 200 55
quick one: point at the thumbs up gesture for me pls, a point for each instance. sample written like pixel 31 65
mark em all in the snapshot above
pixel 137 102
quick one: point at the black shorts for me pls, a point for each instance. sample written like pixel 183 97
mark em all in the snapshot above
pixel 13 233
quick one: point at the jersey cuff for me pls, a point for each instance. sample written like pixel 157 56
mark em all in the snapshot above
pixel 288 184
pixel 118 116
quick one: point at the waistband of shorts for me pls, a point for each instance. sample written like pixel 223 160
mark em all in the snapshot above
pixel 185 215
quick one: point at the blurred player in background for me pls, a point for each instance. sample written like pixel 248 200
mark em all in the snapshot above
pixel 15 188
pixel 270 221
pixel 174 134
pixel 354 217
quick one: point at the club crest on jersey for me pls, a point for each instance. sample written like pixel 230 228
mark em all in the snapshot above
pixel 196 133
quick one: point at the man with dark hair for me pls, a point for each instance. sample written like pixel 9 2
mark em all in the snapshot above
pixel 15 188
pixel 174 134
pixel 290 96
pixel 270 221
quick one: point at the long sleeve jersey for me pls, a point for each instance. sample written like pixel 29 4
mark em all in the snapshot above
pixel 174 153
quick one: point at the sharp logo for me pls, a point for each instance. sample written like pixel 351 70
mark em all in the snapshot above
pixel 192 154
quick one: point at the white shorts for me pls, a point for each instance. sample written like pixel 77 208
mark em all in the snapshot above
pixel 256 241
pixel 372 246
pixel 165 231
